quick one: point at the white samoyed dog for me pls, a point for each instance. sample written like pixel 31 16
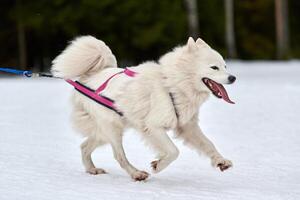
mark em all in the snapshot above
pixel 164 95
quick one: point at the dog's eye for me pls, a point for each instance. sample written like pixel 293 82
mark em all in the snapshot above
pixel 215 68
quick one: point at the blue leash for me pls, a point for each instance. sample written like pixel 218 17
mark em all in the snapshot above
pixel 26 73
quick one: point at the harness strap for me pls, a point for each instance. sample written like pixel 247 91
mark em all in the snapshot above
pixel 83 89
pixel 173 102
pixel 95 95
pixel 103 86
pixel 127 71
pixel 88 92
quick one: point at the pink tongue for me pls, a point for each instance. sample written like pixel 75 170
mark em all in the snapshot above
pixel 223 92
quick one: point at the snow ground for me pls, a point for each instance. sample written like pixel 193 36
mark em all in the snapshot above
pixel 40 157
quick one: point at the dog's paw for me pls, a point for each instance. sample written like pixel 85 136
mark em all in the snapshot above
pixel 221 163
pixel 139 175
pixel 95 171
pixel 157 165
pixel 154 165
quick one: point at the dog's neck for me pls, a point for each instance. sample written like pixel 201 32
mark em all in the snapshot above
pixel 185 98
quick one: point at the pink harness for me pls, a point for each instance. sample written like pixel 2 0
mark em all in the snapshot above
pixel 96 94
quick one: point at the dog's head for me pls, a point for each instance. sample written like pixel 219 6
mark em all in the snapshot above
pixel 203 66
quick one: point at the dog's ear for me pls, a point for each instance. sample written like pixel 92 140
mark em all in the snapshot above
pixel 191 45
pixel 201 43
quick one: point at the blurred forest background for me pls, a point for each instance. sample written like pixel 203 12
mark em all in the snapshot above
pixel 33 32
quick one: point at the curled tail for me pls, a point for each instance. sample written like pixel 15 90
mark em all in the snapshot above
pixel 85 55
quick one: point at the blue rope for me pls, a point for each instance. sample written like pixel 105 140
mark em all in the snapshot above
pixel 26 73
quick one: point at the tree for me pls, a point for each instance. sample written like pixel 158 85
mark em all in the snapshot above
pixel 191 6
pixel 282 31
pixel 230 35
pixel 21 37
pixel 255 25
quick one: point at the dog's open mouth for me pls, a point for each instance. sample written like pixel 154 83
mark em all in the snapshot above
pixel 217 89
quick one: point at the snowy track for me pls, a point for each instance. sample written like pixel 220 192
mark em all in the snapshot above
pixel 40 157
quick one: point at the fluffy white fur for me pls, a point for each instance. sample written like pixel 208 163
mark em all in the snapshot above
pixel 144 100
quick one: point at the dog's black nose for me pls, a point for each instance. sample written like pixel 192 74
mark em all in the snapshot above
pixel 231 79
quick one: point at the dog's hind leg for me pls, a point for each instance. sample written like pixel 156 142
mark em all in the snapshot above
pixel 86 124
pixel 87 147
pixel 119 154
pixel 163 145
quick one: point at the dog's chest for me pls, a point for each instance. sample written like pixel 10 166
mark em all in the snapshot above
pixel 188 107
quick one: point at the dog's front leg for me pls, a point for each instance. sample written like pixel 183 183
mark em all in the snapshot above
pixel 194 137
pixel 158 139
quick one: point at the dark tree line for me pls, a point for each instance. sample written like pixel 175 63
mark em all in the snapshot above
pixel 33 32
